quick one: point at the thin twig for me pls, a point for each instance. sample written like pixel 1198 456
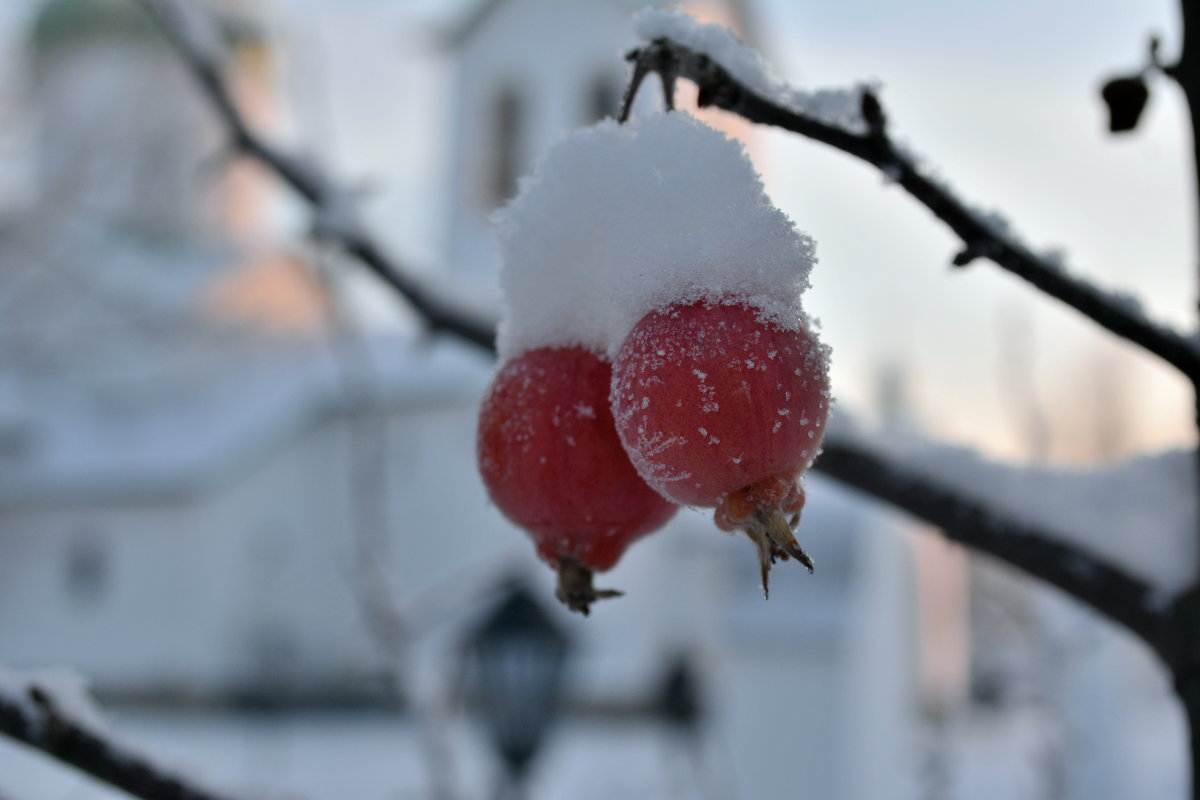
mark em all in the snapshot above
pixel 980 237
pixel 331 203
pixel 40 724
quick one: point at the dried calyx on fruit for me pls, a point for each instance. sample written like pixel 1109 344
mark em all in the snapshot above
pixel 551 460
pixel 720 407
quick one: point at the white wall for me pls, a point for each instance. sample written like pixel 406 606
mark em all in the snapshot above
pixel 551 52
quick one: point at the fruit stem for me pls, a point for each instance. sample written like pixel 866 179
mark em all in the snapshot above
pixel 780 532
pixel 575 589
pixel 771 533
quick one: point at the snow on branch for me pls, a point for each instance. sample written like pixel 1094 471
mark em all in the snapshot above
pixel 192 33
pixel 52 712
pixel 732 77
pixel 981 516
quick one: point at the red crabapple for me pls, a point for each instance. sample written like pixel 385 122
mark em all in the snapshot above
pixel 719 407
pixel 550 457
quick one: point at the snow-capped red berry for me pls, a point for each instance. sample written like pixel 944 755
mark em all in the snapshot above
pixel 709 399
pixel 720 407
pixel 551 460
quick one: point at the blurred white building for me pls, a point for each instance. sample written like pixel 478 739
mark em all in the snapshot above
pixel 196 510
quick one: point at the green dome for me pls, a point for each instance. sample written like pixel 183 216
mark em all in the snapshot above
pixel 62 23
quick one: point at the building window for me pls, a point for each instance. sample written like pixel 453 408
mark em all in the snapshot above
pixel 86 568
pixel 604 98
pixel 505 154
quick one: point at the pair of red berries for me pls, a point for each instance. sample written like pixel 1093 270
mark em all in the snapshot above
pixel 705 404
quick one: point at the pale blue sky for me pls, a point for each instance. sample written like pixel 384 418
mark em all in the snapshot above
pixel 1001 100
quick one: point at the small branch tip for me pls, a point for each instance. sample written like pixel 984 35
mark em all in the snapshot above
pixel 872 112
pixel 575 589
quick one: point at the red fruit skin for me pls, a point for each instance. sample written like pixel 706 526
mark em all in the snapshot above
pixel 709 400
pixel 551 460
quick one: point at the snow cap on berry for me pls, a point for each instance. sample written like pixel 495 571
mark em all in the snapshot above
pixel 619 220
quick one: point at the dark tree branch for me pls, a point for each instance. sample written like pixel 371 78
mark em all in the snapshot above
pixel 1186 642
pixel 40 724
pixel 332 204
pixel 1186 72
pixel 981 238
pixel 969 521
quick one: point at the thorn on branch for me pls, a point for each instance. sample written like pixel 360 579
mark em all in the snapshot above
pixel 1154 50
pixel 667 78
pixel 707 88
pixel 41 699
pixel 872 113
pixel 968 254
pixel 50 720
pixel 655 57
pixel 635 82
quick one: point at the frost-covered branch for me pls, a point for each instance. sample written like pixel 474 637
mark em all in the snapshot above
pixel 1045 553
pixel 855 123
pixel 192 33
pixel 40 714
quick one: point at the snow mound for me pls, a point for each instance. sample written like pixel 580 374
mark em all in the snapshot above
pixel 838 107
pixel 618 220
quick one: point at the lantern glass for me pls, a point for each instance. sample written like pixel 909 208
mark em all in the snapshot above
pixel 517 657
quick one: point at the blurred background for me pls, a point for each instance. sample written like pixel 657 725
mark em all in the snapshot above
pixel 237 481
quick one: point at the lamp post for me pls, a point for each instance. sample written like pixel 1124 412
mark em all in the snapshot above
pixel 679 702
pixel 516 657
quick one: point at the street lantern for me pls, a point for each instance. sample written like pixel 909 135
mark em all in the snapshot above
pixel 679 702
pixel 516 657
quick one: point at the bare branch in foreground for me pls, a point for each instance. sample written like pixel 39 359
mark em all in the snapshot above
pixel 39 723
pixel 969 521
pixel 185 28
pixel 981 237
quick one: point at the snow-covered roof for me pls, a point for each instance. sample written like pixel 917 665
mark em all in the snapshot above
pixel 169 438
pixel 115 381
pixel 79 297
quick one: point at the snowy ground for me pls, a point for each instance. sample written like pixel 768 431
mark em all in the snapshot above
pixel 377 756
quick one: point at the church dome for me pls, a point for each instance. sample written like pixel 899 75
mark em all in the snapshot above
pixel 63 23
